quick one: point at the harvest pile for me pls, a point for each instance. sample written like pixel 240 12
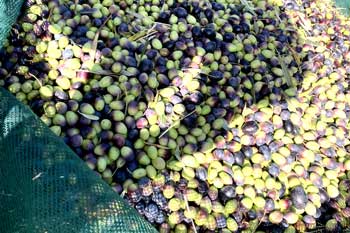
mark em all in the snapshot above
pixel 228 115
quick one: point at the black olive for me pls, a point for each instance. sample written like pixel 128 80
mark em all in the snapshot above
pixel 164 17
pixel 130 61
pixel 97 22
pixel 146 66
pixel 245 66
pixel 245 27
pixel 247 151
pixel 180 12
pixel 237 28
pixel 133 134
pixel 209 33
pixel 191 51
pixel 299 197
pixel 282 38
pixel 228 37
pixel 288 126
pixel 210 118
pixel 250 127
pixel 239 158
pixel 219 112
pixel 228 192
pixel 217 6
pixel 203 187
pixel 123 28
pixel 210 46
pixel 209 14
pixel 196 31
pixel 201 173
pixel 216 75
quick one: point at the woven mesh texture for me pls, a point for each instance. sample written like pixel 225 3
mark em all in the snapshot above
pixel 9 11
pixel 344 6
pixel 45 187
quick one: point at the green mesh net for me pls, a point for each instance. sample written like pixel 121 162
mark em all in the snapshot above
pixel 45 187
pixel 9 11
pixel 344 6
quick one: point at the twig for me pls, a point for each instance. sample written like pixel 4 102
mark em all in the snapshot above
pixel 188 209
pixel 170 127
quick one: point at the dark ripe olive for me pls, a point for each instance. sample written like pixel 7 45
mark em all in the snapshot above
pixel 175 99
pixel 217 6
pixel 274 146
pixel 238 216
pixel 78 151
pixel 252 214
pixel 228 192
pixel 218 154
pixel 133 134
pixel 209 33
pixel 120 175
pixel 196 31
pixel 209 14
pixel 203 187
pixel 118 140
pixel 106 135
pixel 123 28
pixel 85 131
pixel 161 61
pixel 329 152
pixel 250 127
pixel 196 97
pixel 210 118
pixel 245 27
pixel 216 75
pixel 89 97
pixel 190 121
pixel 269 205
pixel 132 165
pixel 239 158
pixel 152 53
pixel 237 28
pixel 210 46
pixel 201 173
pixel 84 121
pixel 248 48
pixel 190 107
pixel 130 61
pixel 274 170
pixel 236 69
pixel 164 17
pixel 228 157
pixel 245 66
pixel 180 45
pixel 180 12
pixel 299 197
pixel 247 151
pixel 219 112
pixel 288 126
pixel 146 66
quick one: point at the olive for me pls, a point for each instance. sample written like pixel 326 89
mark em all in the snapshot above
pixel 250 127
pixel 299 197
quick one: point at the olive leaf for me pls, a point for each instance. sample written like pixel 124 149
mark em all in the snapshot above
pixel 285 70
pixel 90 117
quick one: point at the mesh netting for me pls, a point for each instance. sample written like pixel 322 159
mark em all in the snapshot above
pixel 45 187
pixel 344 6
pixel 9 11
